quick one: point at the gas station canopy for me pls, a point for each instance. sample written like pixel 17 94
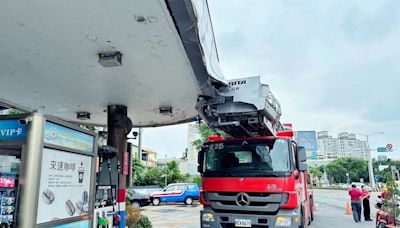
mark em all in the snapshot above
pixel 62 58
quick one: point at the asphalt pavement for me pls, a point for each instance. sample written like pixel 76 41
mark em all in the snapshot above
pixel 176 215
pixel 330 213
pixel 331 210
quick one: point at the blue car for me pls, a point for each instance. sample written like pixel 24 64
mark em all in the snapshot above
pixel 179 192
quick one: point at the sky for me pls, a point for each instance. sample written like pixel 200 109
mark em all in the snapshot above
pixel 333 65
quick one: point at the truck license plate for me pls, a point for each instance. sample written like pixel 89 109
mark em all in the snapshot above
pixel 242 222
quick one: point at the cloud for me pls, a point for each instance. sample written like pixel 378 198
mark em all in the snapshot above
pixel 331 64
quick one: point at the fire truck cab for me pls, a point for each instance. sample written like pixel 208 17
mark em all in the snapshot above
pixel 254 182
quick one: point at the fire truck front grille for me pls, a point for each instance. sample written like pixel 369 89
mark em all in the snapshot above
pixel 246 202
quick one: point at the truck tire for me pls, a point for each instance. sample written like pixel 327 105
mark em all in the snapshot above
pixel 156 201
pixel 188 200
pixel 381 225
pixel 135 204
pixel 302 219
pixel 311 209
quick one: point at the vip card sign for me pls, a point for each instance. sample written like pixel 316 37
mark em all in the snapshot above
pixel 64 185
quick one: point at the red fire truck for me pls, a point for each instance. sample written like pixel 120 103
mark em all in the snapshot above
pixel 258 177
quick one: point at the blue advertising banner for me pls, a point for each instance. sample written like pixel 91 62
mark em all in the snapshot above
pixel 66 137
pixel 307 139
pixel 12 130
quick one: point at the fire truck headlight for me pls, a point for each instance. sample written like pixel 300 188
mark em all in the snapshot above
pixel 283 221
pixel 208 217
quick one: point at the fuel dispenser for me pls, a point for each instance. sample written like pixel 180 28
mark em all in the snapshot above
pixel 106 206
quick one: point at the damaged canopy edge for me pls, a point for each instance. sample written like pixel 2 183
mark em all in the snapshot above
pixel 193 22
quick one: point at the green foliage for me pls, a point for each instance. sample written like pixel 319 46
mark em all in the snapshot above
pixel 357 168
pixel 197 180
pixel 152 176
pixel 155 176
pixel 321 169
pixel 173 173
pixel 383 174
pixel 144 222
pixel 315 172
pixel 390 201
pixel 138 172
pixel 13 112
pixel 205 131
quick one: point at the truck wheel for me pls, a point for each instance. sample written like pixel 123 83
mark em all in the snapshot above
pixel 311 210
pixel 302 219
pixel 381 225
pixel 156 201
pixel 135 204
pixel 188 200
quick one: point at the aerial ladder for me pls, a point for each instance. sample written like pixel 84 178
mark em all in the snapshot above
pixel 244 108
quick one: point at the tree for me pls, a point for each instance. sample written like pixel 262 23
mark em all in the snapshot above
pixel 197 180
pixel 356 168
pixel 315 172
pixel 138 172
pixel 205 131
pixel 12 111
pixel 153 176
pixel 390 200
pixel 383 174
pixel 173 173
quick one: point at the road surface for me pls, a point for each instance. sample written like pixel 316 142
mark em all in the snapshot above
pixel 330 213
pixel 331 208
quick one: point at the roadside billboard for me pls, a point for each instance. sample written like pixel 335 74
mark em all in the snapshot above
pixel 307 139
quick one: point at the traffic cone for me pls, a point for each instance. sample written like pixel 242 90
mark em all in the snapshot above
pixel 348 209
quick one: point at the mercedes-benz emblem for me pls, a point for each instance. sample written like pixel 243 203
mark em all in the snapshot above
pixel 242 199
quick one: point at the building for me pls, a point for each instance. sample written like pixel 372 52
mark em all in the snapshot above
pixel 182 164
pixel 162 162
pixel 192 152
pixel 149 157
pixel 345 145
pixel 327 146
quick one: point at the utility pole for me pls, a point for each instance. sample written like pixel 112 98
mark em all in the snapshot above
pixel 140 144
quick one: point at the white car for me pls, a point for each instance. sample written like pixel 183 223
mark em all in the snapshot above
pixel 359 184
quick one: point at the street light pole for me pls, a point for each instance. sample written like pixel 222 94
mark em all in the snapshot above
pixel 370 167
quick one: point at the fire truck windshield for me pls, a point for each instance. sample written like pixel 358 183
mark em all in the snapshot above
pixel 247 158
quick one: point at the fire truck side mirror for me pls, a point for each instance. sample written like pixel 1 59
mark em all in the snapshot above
pixel 301 154
pixel 303 166
pixel 301 159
